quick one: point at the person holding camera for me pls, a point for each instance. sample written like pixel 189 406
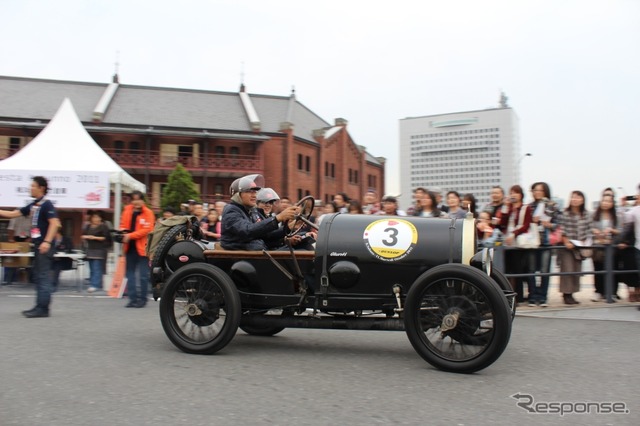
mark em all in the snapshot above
pixel 139 220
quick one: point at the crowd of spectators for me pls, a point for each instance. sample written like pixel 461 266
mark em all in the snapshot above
pixel 506 220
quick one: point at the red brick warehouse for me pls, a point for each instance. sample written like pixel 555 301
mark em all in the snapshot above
pixel 217 136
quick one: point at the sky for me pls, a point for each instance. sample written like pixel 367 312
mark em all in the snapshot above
pixel 570 68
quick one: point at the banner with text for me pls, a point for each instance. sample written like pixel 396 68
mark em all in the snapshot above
pixel 72 190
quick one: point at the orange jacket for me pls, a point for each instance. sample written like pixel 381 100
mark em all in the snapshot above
pixel 144 224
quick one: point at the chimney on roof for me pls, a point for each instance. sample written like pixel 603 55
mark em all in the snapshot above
pixel 341 122
pixel 242 88
pixel 105 100
pixel 250 110
pixel 115 78
pixel 319 133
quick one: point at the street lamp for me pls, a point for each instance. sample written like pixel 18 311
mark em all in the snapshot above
pixel 528 154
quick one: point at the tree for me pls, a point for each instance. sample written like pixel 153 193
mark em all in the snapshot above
pixel 179 188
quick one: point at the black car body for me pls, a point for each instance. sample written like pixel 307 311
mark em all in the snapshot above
pixel 423 276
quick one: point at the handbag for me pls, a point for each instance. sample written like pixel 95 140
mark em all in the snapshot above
pixel 583 253
pixel 555 236
pixel 531 238
pixel 586 253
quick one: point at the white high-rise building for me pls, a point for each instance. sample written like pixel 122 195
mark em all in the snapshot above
pixel 468 152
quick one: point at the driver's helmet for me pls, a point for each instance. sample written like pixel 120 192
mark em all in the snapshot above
pixel 266 195
pixel 247 183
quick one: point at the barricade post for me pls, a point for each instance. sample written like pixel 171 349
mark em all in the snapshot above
pixel 609 276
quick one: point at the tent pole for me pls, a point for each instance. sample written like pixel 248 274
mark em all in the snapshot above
pixel 117 209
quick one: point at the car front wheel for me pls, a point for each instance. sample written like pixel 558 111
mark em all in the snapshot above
pixel 457 318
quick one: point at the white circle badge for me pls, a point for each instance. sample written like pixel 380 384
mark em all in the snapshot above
pixel 390 239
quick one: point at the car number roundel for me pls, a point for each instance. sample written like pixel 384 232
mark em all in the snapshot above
pixel 390 239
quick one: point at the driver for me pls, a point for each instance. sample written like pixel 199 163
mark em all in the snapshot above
pixel 240 228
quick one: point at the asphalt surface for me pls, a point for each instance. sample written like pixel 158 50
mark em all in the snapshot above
pixel 93 362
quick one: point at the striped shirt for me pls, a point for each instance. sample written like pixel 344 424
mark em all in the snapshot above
pixel 576 226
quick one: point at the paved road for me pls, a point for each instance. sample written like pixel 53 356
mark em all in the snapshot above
pixel 95 363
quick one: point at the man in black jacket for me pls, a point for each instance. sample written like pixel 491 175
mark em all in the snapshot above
pixel 240 231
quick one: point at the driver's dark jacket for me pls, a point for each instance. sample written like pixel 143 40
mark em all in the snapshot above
pixel 241 231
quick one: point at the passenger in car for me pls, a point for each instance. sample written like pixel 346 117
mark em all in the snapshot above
pixel 303 239
pixel 266 198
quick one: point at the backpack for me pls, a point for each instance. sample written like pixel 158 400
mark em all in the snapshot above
pixel 160 229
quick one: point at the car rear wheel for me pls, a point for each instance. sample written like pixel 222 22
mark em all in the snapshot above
pixel 173 235
pixel 261 330
pixel 457 318
pixel 200 309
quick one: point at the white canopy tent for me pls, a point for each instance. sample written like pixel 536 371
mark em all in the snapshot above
pixel 64 145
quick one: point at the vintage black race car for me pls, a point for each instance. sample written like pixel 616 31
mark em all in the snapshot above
pixel 423 276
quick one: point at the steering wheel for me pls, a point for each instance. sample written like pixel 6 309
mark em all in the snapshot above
pixel 306 205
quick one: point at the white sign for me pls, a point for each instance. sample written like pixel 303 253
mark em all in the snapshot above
pixel 71 190
pixel 390 239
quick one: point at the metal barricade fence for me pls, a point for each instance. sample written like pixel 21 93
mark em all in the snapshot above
pixel 609 271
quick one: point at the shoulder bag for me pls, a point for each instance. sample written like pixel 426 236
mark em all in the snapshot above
pixel 555 236
pixel 531 238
